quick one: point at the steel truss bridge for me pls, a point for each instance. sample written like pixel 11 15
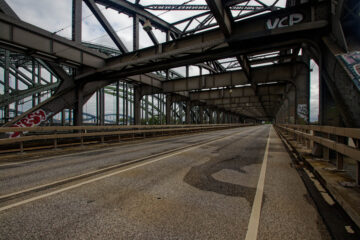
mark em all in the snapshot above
pixel 253 63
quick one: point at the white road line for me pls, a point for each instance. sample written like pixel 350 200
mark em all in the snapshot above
pixel 106 176
pixel 253 226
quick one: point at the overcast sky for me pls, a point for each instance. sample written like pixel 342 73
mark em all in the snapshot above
pixel 55 16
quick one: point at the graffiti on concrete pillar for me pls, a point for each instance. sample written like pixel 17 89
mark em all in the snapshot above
pixel 302 111
pixel 31 120
pixel 352 63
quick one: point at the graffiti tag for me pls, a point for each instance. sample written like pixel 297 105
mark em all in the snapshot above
pixel 31 120
pixel 287 21
pixel 302 111
pixel 352 63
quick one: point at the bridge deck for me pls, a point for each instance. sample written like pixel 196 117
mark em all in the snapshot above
pixel 207 186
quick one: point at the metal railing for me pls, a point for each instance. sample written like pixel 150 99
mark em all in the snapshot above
pixel 49 137
pixel 343 141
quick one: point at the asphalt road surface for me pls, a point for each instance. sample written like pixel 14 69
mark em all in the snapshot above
pixel 229 184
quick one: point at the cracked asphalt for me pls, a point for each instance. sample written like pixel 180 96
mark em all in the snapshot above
pixel 206 192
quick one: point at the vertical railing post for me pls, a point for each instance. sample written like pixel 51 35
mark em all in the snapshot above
pixel 339 156
pixel 55 139
pixel 358 173
pixel 81 137
pixel 21 147
pixel 357 146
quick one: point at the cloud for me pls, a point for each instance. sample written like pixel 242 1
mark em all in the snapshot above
pixel 47 14
pixel 314 92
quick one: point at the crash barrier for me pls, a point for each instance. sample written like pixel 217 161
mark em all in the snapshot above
pixel 323 139
pixel 14 139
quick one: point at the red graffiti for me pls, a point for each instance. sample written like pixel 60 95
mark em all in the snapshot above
pixel 31 120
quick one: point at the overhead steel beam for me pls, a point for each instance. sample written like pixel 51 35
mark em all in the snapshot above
pixel 230 3
pixel 247 105
pixel 244 100
pixel 21 94
pixel 266 74
pixel 106 25
pixel 222 15
pixel 132 9
pixel 31 40
pixel 248 36
pixel 5 8
pixel 238 92
pixel 196 7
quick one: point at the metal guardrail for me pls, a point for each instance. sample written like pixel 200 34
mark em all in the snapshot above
pixel 81 133
pixel 327 138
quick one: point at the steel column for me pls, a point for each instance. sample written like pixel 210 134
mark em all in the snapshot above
pixel 76 20
pixel 78 108
pixel 137 105
pixel 168 108
pixel 6 84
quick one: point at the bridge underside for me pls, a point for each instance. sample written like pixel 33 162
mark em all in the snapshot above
pixel 243 67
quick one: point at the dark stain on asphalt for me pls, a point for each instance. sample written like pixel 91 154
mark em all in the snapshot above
pixel 201 177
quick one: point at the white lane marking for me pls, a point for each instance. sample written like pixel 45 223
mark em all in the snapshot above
pixel 108 175
pixel 253 226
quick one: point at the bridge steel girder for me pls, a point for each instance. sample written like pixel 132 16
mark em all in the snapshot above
pixel 266 74
pixel 206 46
pixel 76 20
pixel 248 36
pixel 48 46
pixel 244 100
pixel 5 8
pixel 21 94
pixel 132 9
pixel 341 85
pixel 222 15
pixel 248 91
pixel 248 105
pixel 106 25
pixel 25 38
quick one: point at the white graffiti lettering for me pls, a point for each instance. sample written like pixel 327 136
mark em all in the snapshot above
pixel 287 21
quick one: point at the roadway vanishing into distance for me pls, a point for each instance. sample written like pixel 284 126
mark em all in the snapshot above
pixel 228 184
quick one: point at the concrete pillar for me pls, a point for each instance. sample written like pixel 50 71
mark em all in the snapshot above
pixel 218 116
pixel 168 108
pixel 137 105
